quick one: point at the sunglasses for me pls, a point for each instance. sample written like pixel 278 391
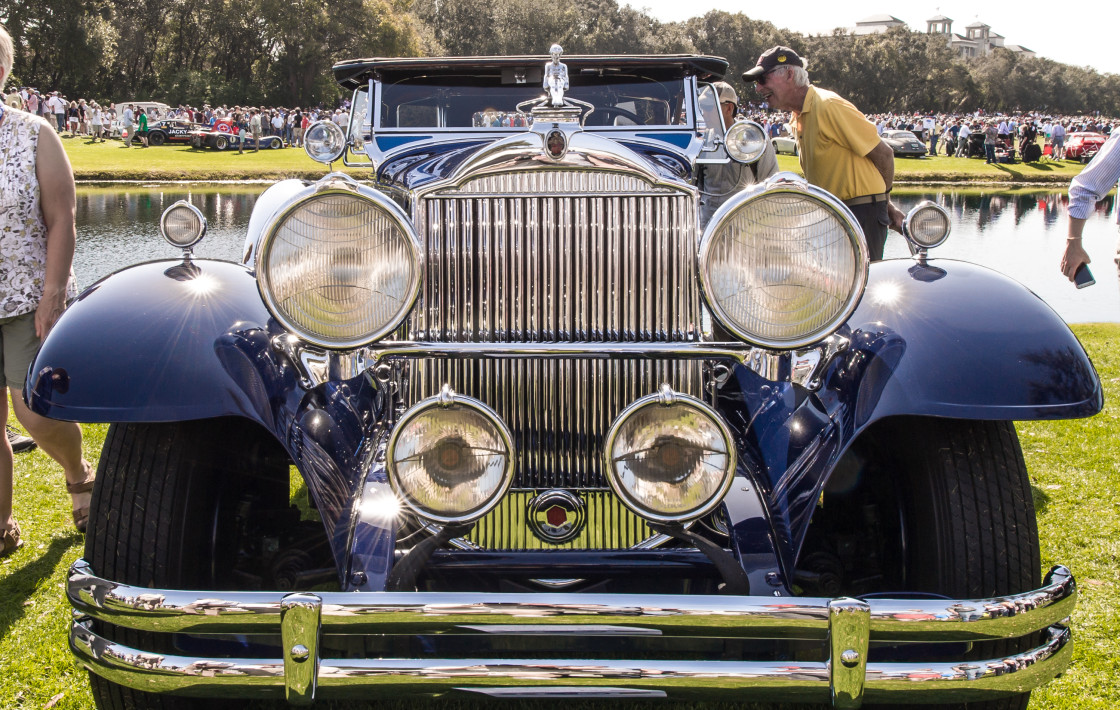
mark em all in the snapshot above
pixel 761 80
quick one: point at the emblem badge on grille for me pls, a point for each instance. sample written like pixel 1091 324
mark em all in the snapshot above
pixel 556 516
pixel 556 143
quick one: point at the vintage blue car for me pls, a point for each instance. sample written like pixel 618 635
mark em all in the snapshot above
pixel 526 415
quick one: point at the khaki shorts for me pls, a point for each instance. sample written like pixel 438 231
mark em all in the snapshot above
pixel 18 346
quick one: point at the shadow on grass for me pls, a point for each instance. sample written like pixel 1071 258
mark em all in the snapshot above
pixel 1041 500
pixel 17 587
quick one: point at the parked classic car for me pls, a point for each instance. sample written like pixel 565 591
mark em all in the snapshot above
pixel 1083 145
pixel 222 136
pixel 784 144
pixel 171 130
pixel 904 144
pixel 554 434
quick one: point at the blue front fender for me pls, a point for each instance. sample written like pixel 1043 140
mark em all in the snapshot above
pixel 945 339
pixel 168 341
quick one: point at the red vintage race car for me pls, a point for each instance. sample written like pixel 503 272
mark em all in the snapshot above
pixel 1083 146
pixel 223 135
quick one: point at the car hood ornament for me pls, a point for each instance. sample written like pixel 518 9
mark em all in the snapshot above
pixel 556 77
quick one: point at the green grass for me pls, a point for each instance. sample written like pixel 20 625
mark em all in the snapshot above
pixel 111 161
pixel 1074 467
pixel 943 169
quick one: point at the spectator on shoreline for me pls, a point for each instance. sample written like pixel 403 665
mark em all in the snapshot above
pixel 840 150
pixel 1085 191
pixel 36 282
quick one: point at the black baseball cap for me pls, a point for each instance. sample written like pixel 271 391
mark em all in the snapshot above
pixel 772 59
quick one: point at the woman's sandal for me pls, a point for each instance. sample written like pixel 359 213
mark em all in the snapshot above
pixel 10 540
pixel 81 515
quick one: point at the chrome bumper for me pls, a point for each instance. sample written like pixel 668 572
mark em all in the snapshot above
pixel 847 626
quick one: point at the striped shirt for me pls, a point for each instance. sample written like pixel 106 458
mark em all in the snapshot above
pixel 1098 177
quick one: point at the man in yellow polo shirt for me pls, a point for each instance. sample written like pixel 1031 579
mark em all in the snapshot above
pixel 840 149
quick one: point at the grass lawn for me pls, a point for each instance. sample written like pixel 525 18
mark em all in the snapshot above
pixel 111 161
pixel 943 169
pixel 1074 467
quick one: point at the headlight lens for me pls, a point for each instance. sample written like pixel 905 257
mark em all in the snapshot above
pixel 182 225
pixel 927 225
pixel 450 458
pixel 340 268
pixel 670 457
pixel 745 141
pixel 324 141
pixel 783 266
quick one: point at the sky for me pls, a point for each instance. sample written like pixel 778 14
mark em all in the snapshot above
pixel 1064 33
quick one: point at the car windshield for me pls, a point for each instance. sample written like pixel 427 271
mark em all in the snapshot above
pixel 490 102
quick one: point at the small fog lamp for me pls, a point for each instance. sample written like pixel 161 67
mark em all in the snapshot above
pixel 745 141
pixel 670 457
pixel 182 225
pixel 927 225
pixel 324 141
pixel 450 458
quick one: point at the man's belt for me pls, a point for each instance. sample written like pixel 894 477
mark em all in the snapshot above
pixel 867 199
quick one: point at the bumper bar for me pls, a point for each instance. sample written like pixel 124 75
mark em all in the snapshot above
pixel 848 626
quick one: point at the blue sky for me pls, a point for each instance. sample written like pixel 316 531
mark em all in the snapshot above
pixel 1064 32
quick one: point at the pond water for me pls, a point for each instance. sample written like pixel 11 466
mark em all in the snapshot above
pixel 1020 233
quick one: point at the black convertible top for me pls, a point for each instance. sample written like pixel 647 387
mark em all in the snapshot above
pixel 357 72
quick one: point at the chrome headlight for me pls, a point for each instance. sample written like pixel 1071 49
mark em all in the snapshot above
pixel 450 458
pixel 745 141
pixel 927 225
pixel 324 141
pixel 669 457
pixel 339 265
pixel 182 225
pixel 783 265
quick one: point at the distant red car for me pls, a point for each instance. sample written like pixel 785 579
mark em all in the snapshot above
pixel 1083 146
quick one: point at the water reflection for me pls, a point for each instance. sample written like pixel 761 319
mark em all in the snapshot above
pixel 1020 233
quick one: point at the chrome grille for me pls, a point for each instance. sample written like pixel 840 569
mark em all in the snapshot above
pixel 557 256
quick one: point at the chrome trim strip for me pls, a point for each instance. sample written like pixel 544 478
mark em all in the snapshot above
pixel 595 350
pixel 781 680
pixel 676 615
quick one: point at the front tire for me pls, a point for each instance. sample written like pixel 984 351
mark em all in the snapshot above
pixel 169 511
pixel 221 142
pixel 948 506
pixel 157 138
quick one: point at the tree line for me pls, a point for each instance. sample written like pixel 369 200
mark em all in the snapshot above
pixel 279 52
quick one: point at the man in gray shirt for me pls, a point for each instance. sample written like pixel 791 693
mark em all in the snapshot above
pixel 720 181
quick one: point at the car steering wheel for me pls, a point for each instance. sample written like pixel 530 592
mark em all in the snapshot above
pixel 608 110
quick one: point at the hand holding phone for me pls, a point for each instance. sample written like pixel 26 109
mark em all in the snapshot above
pixel 1083 277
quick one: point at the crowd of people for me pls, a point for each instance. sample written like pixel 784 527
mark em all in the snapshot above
pixel 948 133
pixel 90 119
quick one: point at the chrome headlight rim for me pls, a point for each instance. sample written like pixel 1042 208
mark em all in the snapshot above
pixel 335 132
pixel 181 204
pixel 733 137
pixel 785 183
pixel 667 395
pixel 913 214
pixel 444 399
pixel 338 184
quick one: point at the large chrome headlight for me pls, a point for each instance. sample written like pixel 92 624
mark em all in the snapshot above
pixel 669 457
pixel 339 265
pixel 450 458
pixel 783 265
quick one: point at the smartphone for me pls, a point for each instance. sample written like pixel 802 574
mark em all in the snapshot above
pixel 1083 277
